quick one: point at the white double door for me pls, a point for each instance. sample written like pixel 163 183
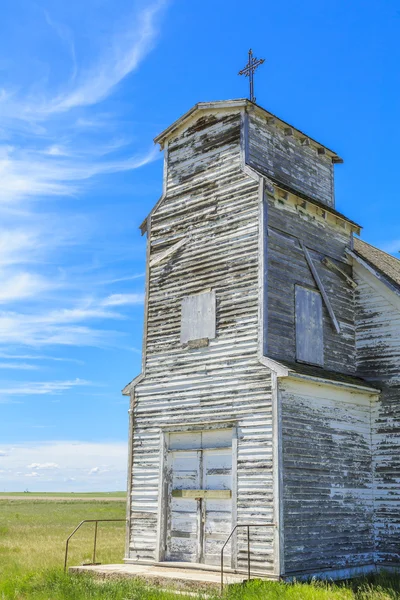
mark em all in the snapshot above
pixel 199 516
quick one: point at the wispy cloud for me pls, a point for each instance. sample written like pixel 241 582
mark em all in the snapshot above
pixel 18 366
pixel 68 467
pixel 30 174
pixel 123 299
pixel 88 86
pixel 123 55
pixel 22 286
pixel 47 465
pixel 41 357
pixel 40 388
pixel 61 137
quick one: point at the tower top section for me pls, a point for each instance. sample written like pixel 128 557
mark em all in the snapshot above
pixel 245 106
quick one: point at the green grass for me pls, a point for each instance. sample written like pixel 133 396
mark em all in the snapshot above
pixel 33 533
pixel 54 585
pixel 32 537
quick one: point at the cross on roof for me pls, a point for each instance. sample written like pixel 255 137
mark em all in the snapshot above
pixel 248 71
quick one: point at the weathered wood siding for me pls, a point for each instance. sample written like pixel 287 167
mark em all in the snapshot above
pixel 327 478
pixel 287 267
pixel 378 357
pixel 286 159
pixel 214 205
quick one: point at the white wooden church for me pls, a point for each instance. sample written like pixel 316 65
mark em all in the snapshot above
pixel 270 387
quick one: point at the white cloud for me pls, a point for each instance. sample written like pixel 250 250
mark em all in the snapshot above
pixel 18 366
pixel 94 470
pixel 75 459
pixel 121 299
pixel 122 56
pixel 16 245
pixel 53 145
pixel 9 356
pixel 22 286
pixel 40 388
pixel 47 465
pixel 28 174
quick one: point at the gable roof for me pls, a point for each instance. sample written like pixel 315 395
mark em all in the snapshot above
pixel 386 264
pixel 237 104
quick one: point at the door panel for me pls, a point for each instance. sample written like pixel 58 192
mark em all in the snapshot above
pixel 198 527
pixel 185 470
pixel 183 519
pixel 217 475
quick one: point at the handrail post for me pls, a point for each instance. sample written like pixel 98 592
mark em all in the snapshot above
pixel 96 521
pixel 66 555
pixel 247 525
pixel 95 542
pixel 222 570
pixel 248 552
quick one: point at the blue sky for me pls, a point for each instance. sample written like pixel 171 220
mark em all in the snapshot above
pixel 84 88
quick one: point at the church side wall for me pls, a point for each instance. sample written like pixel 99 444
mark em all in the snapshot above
pixel 378 352
pixel 287 160
pixel 327 479
pixel 288 267
pixel 212 205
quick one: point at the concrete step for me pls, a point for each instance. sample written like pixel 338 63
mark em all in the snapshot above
pixel 166 577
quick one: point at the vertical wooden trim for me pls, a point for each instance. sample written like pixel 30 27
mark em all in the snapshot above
pixel 262 296
pixel 234 545
pixel 265 270
pixel 163 499
pixel 244 138
pixel 146 296
pixel 129 479
pixel 200 509
pixel 165 170
pixel 279 542
pixel 372 416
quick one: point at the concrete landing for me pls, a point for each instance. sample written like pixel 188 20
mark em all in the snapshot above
pixel 179 578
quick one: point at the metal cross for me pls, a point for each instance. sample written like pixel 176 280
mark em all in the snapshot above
pixel 249 69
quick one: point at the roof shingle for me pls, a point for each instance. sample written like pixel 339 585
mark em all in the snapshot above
pixel 386 264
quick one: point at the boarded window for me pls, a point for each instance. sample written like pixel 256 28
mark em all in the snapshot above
pixel 309 326
pixel 198 317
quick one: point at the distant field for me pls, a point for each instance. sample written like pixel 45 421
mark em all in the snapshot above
pixel 32 534
pixel 32 541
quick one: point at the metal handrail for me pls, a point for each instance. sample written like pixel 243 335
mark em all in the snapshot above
pixel 248 525
pixel 96 521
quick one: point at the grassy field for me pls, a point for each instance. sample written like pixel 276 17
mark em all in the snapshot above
pixel 32 536
pixel 32 533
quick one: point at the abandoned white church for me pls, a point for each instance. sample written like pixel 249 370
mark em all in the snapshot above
pixel 270 388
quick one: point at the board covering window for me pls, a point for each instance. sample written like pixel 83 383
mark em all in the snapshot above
pixel 309 326
pixel 198 317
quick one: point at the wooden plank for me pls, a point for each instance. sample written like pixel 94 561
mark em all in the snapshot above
pixel 321 288
pixel 198 317
pixel 331 265
pixel 208 494
pixel 309 326
pixel 158 258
